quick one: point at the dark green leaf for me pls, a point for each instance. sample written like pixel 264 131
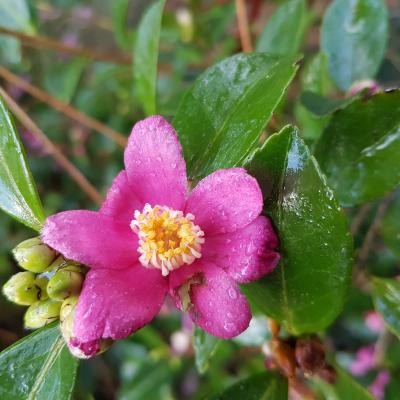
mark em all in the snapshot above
pixel 386 294
pixel 145 56
pixel 284 32
pixel 222 116
pixel 204 347
pixel 354 34
pixel 359 150
pixel 263 386
pixel 390 226
pixel 307 290
pixel 320 105
pixel 38 367
pixel 345 387
pixel 18 194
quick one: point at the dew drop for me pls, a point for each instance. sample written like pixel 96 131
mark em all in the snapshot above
pixel 232 293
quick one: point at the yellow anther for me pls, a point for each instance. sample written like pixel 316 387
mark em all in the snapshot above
pixel 167 238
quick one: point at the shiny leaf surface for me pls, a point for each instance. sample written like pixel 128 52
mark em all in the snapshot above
pixel 386 293
pixel 359 150
pixel 222 116
pixel 145 56
pixel 18 194
pixel 353 36
pixel 267 385
pixel 285 29
pixel 38 367
pixel 306 291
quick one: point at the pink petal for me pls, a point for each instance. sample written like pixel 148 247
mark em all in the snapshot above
pixel 218 306
pixel 115 303
pixel 92 239
pixel 155 165
pixel 225 201
pixel 247 254
pixel 121 201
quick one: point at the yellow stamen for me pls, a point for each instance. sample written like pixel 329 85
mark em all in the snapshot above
pixel 167 238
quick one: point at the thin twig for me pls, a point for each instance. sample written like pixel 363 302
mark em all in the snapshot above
pixel 243 24
pixel 63 107
pixel 359 218
pixel 41 42
pixel 51 149
pixel 370 236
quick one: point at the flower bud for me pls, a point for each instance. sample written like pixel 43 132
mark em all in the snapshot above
pixel 33 255
pixel 80 350
pixel 42 313
pixel 310 355
pixel 65 283
pixel 42 282
pixel 22 289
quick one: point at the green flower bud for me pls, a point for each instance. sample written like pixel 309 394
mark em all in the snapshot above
pixel 61 263
pixel 42 313
pixel 64 283
pixel 42 282
pixel 33 255
pixel 22 289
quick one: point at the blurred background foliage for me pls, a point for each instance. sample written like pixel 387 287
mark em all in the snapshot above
pixel 158 362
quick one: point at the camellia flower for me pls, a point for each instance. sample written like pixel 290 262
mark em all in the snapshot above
pixel 151 237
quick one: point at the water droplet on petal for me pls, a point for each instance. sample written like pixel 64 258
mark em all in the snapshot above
pixel 232 292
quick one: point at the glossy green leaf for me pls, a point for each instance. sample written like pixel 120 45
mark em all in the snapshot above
pixel 38 367
pixel 204 347
pixel 220 119
pixel 18 194
pixel 322 106
pixel 390 226
pixel 353 36
pixel 386 295
pixel 285 29
pixel 307 290
pixel 345 387
pixel 145 56
pixel 359 150
pixel 263 386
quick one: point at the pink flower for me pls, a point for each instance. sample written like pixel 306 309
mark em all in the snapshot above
pixel 364 361
pixel 151 237
pixel 374 322
pixel 377 387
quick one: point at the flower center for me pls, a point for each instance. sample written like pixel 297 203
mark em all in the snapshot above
pixel 167 238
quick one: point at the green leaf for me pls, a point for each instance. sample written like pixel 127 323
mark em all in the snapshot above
pixel 145 56
pixel 386 295
pixel 263 386
pixel 359 150
pixel 38 367
pixel 220 119
pixel 119 13
pixel 345 387
pixel 18 194
pixel 204 347
pixel 353 36
pixel 322 106
pixel 390 226
pixel 307 290
pixel 285 30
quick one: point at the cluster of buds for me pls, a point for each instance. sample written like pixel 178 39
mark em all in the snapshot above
pixel 48 282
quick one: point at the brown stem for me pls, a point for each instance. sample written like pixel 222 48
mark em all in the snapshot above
pixel 243 24
pixel 359 218
pixel 51 149
pixel 63 107
pixel 48 43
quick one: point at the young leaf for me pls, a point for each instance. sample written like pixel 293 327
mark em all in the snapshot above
pixel 38 367
pixel 359 150
pixel 284 32
pixel 386 294
pixel 145 56
pixel 18 194
pixel 266 385
pixel 307 290
pixel 345 387
pixel 222 116
pixel 353 36
pixel 204 347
